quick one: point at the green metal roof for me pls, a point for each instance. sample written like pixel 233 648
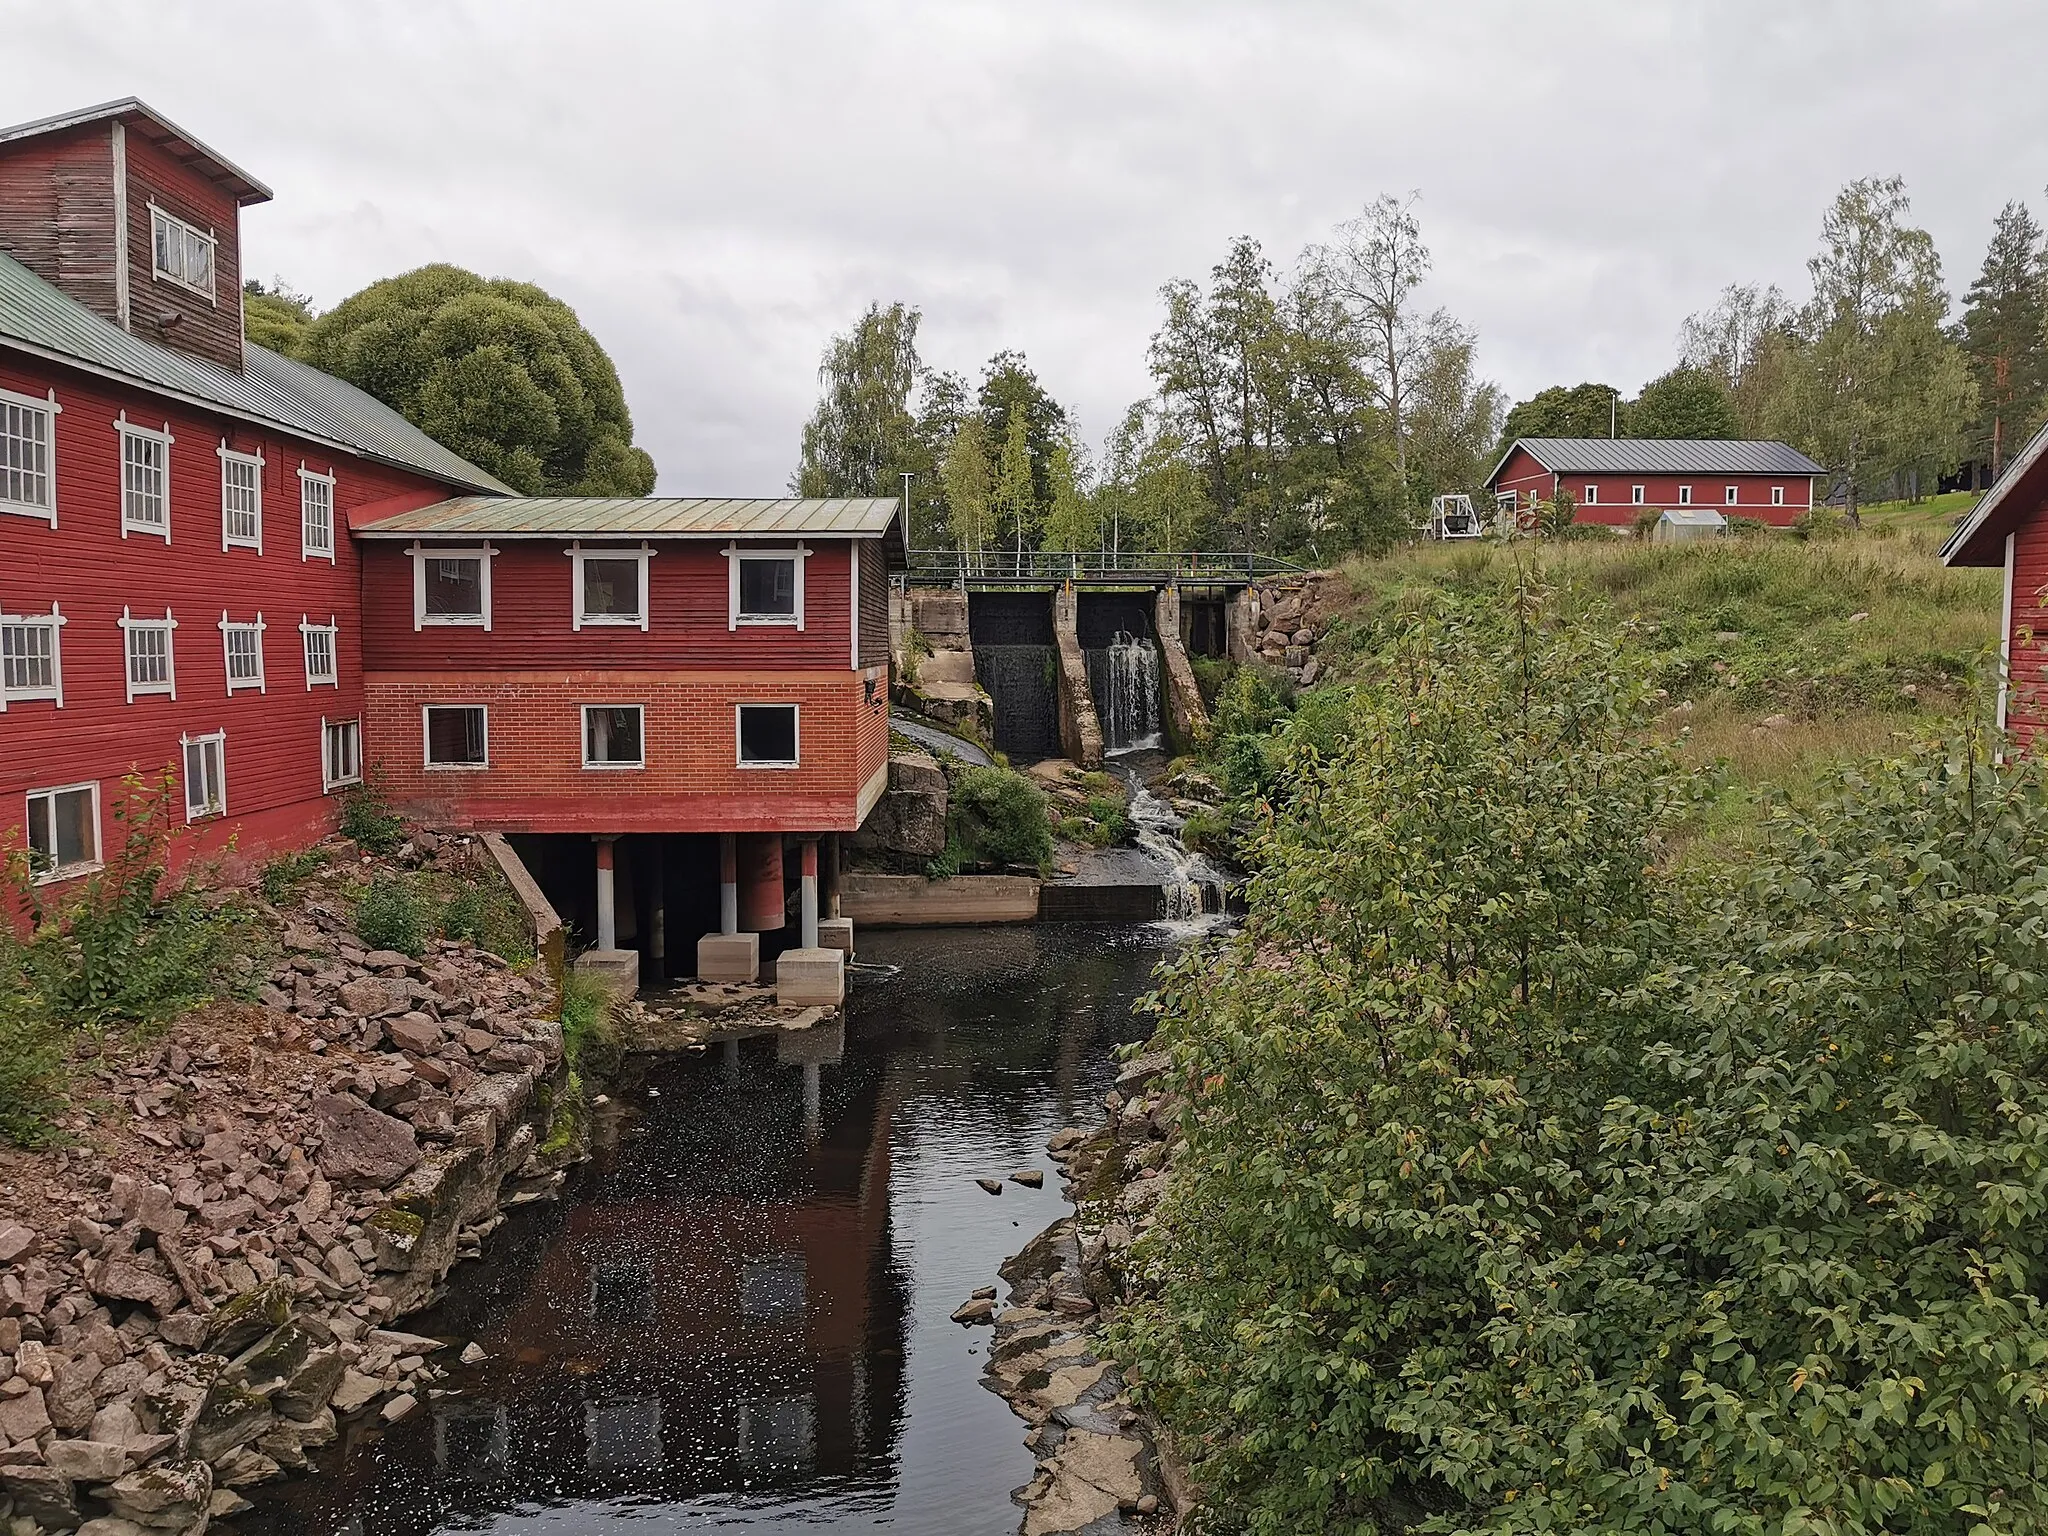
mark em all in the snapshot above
pixel 644 517
pixel 37 318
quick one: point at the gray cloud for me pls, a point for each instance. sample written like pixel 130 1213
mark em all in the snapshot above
pixel 717 188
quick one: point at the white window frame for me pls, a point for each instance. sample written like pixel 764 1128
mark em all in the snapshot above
pixel 421 554
pixel 253 461
pixel 1777 495
pixel 797 714
pixel 64 871
pixel 353 722
pixel 204 811
pixel 125 429
pixel 577 555
pixel 54 621
pixel 1685 495
pixel 427 741
pixel 734 554
pixel 332 630
pixel 50 410
pixel 597 767
pixel 1731 495
pixel 160 217
pixel 228 627
pixel 307 549
pixel 1635 495
pixel 1592 496
pixel 167 627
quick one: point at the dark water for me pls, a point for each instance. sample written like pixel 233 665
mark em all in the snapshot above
pixel 737 1319
pixel 1019 680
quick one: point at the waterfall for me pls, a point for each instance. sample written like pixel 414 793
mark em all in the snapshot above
pixel 1191 887
pixel 1019 680
pixel 1124 677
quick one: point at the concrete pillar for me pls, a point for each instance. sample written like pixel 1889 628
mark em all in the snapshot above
pixel 728 885
pixel 810 893
pixel 760 867
pixel 830 875
pixel 1187 719
pixel 1080 729
pixel 607 897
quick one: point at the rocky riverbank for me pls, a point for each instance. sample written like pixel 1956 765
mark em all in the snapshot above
pixel 1102 1467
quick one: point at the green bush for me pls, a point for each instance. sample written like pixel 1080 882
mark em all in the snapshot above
pixel 370 823
pixel 1212 675
pixel 286 875
pixel 587 1021
pixel 998 817
pixel 1249 704
pixel 394 913
pixel 489 917
pixel 32 1049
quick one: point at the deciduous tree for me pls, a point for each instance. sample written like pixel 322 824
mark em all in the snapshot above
pixel 968 479
pixel 863 436
pixel 1684 403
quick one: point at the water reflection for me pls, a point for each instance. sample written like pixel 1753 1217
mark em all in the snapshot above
pixel 740 1315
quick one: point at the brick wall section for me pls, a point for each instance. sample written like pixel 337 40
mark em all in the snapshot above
pixel 536 781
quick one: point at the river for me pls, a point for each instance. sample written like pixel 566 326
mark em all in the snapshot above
pixel 737 1316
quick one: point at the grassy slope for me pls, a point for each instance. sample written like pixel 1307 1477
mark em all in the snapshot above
pixel 1781 658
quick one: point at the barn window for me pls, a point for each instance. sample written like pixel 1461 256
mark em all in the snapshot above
pixel 1635 495
pixel 321 642
pixel 241 499
pixel 1728 496
pixel 341 753
pixel 184 252
pixel 242 645
pixel 206 776
pixel 1592 497
pixel 316 516
pixel 767 735
pixel 612 736
pixel 145 480
pixel 63 831
pixel 151 664
pixel 28 485
pixel 1777 495
pixel 457 735
pixel 610 586
pixel 767 586
pixel 451 586
pixel 1685 495
pixel 31 660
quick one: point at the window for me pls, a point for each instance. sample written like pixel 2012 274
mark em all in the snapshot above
pixel 31 662
pixel 243 647
pixel 451 586
pixel 1728 496
pixel 1777 495
pixel 1592 497
pixel 611 736
pixel 1685 495
pixel 63 831
pixel 457 735
pixel 610 585
pixel 151 666
pixel 206 785
pixel 1635 495
pixel 320 643
pixel 241 500
pixel 316 516
pixel 184 253
pixel 145 480
pixel 767 586
pixel 341 753
pixel 773 1288
pixel 767 735
pixel 28 484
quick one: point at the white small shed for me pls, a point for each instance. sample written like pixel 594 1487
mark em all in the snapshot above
pixel 1679 525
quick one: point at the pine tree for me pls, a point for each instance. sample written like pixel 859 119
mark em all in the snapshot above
pixel 2002 333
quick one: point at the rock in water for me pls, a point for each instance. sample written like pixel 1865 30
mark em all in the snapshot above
pixel 982 1309
pixel 993 1186
pixel 1030 1178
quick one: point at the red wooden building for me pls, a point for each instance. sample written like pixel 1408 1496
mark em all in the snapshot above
pixel 1614 481
pixel 2009 528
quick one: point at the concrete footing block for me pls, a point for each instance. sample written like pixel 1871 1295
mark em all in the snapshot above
pixel 729 957
pixel 810 977
pixel 618 969
pixel 836 933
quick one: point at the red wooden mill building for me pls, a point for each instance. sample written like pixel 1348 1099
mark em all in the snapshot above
pixel 221 561
pixel 1615 481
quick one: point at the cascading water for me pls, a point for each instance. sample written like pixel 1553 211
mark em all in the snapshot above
pixel 1192 886
pixel 1124 677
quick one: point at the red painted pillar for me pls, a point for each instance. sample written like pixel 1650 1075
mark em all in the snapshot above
pixel 607 902
pixel 760 856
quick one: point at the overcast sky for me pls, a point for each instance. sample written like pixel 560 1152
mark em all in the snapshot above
pixel 717 188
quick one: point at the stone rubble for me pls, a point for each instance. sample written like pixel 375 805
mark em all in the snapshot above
pixel 198 1287
pixel 1293 616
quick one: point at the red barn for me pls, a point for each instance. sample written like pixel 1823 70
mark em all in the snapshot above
pixel 1614 481
pixel 2007 528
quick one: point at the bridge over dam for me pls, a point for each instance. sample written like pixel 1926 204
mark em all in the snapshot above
pixel 1042 653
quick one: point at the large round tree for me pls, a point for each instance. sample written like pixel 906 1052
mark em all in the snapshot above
pixel 499 371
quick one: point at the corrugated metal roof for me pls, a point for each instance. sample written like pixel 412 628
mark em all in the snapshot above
pixel 140 115
pixel 271 389
pixel 666 517
pixel 1661 456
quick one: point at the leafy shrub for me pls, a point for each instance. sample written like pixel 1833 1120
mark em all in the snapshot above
pixel 286 875
pixel 489 917
pixel 393 913
pixel 1212 674
pixel 369 822
pixel 1817 523
pixel 1249 703
pixel 998 817
pixel 587 1021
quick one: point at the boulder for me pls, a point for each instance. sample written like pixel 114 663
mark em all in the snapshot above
pixel 232 1415
pixel 88 1461
pixel 311 1387
pixel 414 1032
pixel 372 997
pixel 43 1494
pixel 130 1280
pixel 249 1317
pixel 359 1145
pixel 16 1242
pixel 23 1417
pixel 173 1497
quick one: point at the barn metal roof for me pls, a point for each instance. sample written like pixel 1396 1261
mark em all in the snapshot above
pixel 37 318
pixel 647 517
pixel 1660 456
pixel 139 117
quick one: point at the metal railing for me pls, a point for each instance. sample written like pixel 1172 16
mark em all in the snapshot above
pixel 1037 567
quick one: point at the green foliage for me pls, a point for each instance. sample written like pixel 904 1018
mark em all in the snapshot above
pixel 393 912
pixel 368 821
pixel 1686 403
pixel 1583 410
pixel 31 1058
pixel 2003 337
pixel 997 816
pixel 286 875
pixel 489 916
pixel 1013 505
pixel 499 371
pixel 588 1024
pixel 1212 673
pixel 863 437
pixel 273 316
pixel 1250 702
pixel 968 478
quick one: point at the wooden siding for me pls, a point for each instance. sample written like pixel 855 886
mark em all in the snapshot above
pixel 2026 708
pixel 1523 475
pixel 57 212
pixel 532 582
pixel 273 758
pixel 874 605
pixel 207 328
